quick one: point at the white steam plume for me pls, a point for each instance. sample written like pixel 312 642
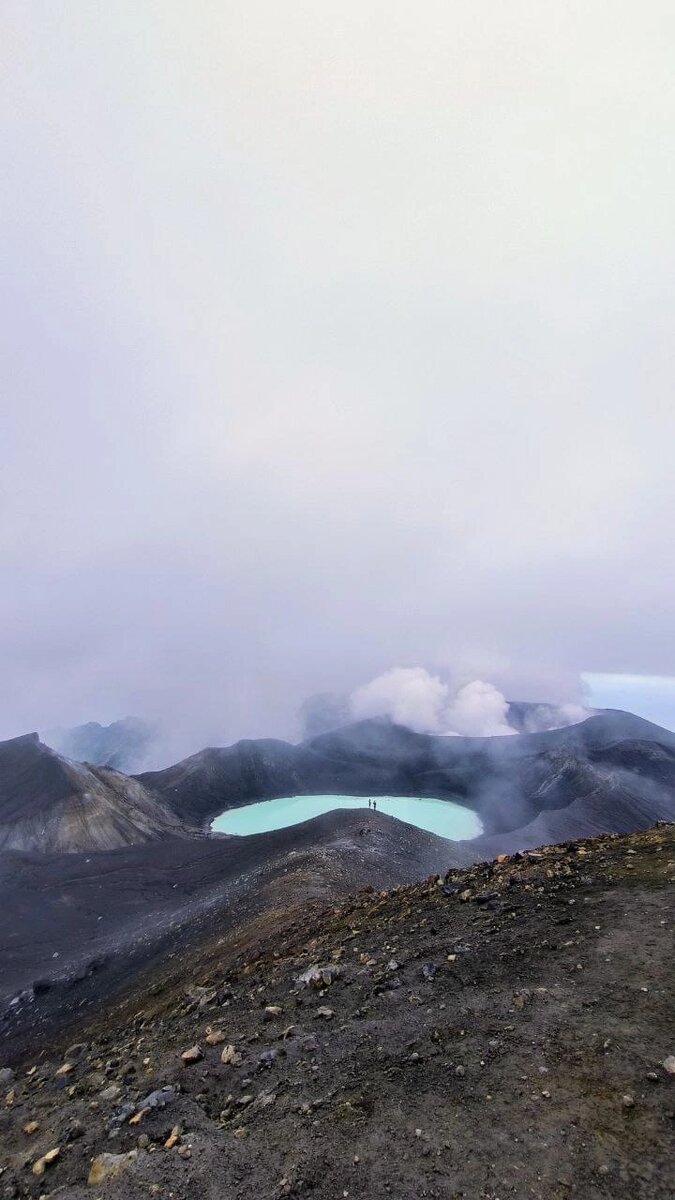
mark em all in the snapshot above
pixel 412 696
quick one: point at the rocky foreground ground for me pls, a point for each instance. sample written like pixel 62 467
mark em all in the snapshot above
pixel 504 1031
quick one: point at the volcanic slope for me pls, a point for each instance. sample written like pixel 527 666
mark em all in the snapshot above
pixel 49 803
pixel 77 927
pixel 501 1031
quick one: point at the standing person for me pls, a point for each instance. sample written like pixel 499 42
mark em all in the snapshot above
pixel 374 806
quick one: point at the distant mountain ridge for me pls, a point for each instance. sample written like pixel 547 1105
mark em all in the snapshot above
pixel 614 772
pixel 605 764
pixel 123 745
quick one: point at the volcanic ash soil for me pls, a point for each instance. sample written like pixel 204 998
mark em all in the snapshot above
pixel 506 1031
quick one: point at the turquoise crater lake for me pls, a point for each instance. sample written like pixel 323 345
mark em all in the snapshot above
pixel 442 817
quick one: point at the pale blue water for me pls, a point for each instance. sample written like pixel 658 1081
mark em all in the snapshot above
pixel 442 817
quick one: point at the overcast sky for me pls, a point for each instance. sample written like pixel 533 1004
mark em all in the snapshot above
pixel 336 337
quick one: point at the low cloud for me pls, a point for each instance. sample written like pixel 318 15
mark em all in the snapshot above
pixel 414 697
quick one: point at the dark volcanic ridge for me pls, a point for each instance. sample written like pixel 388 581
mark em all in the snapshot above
pixel 499 1031
pixel 613 772
pixel 49 803
pixel 604 763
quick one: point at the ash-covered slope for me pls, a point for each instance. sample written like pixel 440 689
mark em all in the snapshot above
pixel 49 803
pixel 78 926
pixel 503 1032
pixel 615 768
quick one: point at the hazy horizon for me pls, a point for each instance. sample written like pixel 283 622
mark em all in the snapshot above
pixel 336 341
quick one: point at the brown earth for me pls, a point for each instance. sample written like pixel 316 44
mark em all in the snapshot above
pixel 500 1033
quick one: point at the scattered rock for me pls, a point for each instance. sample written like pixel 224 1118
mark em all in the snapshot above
pixel 231 1056
pixel 31 1127
pixel 75 1052
pixel 319 977
pixel 47 1159
pixel 158 1099
pixel 271 1011
pixel 173 1138
pixel 669 1064
pixel 268 1057
pixel 65 1069
pixel 628 1101
pixel 111 1092
pixel 107 1166
pixel 192 1055
pixel 6 1076
pixel 325 1012
pixel 214 1037
pixel 73 1130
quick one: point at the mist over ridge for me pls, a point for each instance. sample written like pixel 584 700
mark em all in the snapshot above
pixel 411 697
pixel 332 346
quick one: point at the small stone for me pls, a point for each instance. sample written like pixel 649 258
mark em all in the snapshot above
pixel 65 1069
pixel 73 1053
pixel 669 1064
pixel 460 1071
pixel 214 1037
pixel 31 1127
pixel 6 1076
pixel 159 1098
pixel 272 1011
pixel 184 1152
pixel 319 977
pixel 107 1166
pixel 231 1056
pixel 325 1012
pixel 47 1159
pixel 628 1101
pixel 111 1092
pixel 192 1055
pixel 173 1138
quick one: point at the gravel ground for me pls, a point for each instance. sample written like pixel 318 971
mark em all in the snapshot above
pixel 506 1031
